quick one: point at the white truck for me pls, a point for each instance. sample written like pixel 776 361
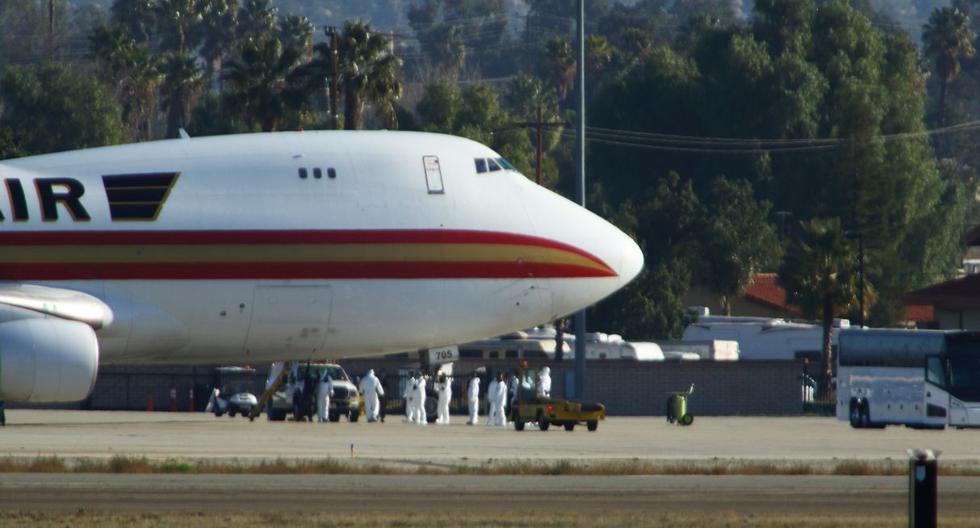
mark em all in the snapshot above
pixel 295 397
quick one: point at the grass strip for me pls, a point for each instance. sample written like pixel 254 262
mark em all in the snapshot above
pixel 331 466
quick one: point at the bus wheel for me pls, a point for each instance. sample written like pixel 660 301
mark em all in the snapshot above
pixel 865 415
pixel 592 425
pixel 856 415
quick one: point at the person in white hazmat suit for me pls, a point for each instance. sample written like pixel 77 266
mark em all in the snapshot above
pixel 500 402
pixel 370 389
pixel 492 401
pixel 411 387
pixel 420 402
pixel 324 389
pixel 445 389
pixel 544 383
pixel 473 399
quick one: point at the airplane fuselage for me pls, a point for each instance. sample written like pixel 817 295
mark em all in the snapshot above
pixel 298 245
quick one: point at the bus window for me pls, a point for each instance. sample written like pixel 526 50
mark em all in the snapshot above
pixel 470 353
pixel 494 354
pixel 964 373
pixel 935 371
pixel 510 354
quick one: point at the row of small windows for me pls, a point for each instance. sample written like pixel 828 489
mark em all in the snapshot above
pixel 304 173
pixel 492 164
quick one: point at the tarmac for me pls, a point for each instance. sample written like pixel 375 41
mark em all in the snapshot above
pixel 163 435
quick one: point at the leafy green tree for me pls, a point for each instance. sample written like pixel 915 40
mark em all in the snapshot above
pixel 738 241
pixel 54 108
pixel 948 40
pixel 666 219
pixel 819 275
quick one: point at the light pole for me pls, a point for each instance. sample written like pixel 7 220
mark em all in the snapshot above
pixel 580 188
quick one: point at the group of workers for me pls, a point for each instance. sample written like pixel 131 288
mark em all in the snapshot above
pixel 501 393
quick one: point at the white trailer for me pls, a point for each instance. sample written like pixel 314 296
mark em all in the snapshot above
pixel 764 338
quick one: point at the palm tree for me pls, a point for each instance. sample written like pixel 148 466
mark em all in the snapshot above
pixel 266 83
pixel 184 81
pixel 178 21
pixel 368 71
pixel 131 71
pixel 220 18
pixel 819 275
pixel 948 39
pixel 559 66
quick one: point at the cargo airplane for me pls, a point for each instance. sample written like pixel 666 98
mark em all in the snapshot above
pixel 282 246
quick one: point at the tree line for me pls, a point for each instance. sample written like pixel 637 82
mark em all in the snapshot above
pixel 727 143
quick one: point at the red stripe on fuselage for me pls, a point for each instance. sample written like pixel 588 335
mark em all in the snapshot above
pixel 296 270
pixel 287 270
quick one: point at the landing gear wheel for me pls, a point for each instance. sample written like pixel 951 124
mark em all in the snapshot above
pixel 592 425
pixel 570 426
pixel 518 425
pixel 687 419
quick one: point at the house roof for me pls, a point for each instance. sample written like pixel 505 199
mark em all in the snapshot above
pixel 956 294
pixel 765 290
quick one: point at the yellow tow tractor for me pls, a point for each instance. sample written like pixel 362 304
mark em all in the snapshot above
pixel 544 411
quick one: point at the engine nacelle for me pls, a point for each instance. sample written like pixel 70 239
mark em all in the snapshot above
pixel 47 360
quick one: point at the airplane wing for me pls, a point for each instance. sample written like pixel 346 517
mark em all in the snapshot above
pixel 57 302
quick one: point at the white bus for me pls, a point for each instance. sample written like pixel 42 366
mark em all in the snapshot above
pixel 918 378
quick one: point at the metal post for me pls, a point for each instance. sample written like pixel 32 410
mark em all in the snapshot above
pixel 861 279
pixel 580 189
pixel 923 469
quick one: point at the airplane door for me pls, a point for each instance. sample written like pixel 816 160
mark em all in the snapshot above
pixel 433 174
pixel 289 320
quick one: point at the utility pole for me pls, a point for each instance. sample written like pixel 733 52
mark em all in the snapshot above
pixel 50 29
pixel 334 96
pixel 580 188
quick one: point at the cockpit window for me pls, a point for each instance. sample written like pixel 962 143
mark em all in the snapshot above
pixel 493 165
pixel 481 165
pixel 505 164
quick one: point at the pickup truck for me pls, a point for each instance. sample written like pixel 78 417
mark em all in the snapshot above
pixel 292 398
pixel 546 411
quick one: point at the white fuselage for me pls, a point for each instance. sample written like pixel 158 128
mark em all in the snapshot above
pixel 244 260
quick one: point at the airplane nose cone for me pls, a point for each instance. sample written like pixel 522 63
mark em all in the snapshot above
pixel 632 260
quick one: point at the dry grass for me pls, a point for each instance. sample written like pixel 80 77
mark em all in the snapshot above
pixel 85 519
pixel 333 466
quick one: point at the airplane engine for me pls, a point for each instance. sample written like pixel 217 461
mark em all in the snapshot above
pixel 47 360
